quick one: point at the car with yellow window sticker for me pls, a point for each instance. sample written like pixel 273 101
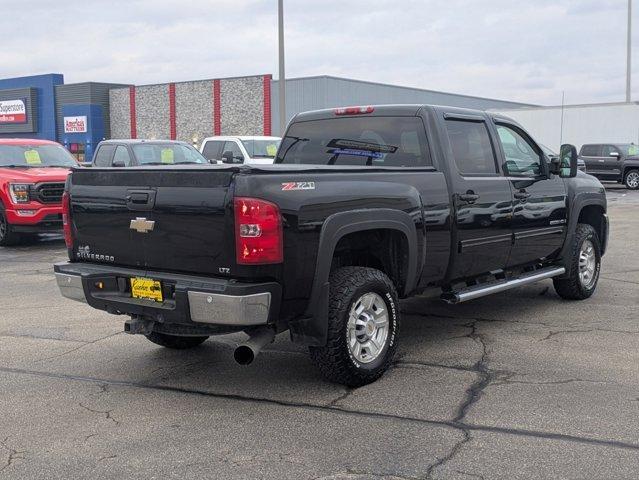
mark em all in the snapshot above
pixel 242 149
pixel 138 152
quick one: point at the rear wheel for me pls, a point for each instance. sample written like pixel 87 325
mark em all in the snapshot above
pixel 583 266
pixel 7 235
pixel 174 341
pixel 632 180
pixel 363 324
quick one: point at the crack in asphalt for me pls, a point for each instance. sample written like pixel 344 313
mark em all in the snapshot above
pixel 106 413
pixel 13 454
pixel 78 347
pixel 554 333
pixel 38 337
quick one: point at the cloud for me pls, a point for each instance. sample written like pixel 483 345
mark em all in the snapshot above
pixel 515 50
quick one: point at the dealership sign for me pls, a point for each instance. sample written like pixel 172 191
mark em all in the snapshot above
pixel 13 111
pixel 75 124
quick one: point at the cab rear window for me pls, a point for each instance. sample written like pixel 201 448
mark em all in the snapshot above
pixel 364 141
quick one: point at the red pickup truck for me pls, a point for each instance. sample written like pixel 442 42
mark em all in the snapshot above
pixel 32 176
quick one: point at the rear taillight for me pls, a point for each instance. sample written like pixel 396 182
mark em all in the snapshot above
pixel 66 219
pixel 258 231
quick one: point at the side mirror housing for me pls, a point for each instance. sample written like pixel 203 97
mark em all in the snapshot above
pixel 566 165
pixel 119 164
pixel 227 157
pixel 614 154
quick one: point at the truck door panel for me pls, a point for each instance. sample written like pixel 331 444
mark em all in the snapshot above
pixel 539 199
pixel 482 199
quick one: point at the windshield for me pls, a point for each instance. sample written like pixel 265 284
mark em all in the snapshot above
pixel 261 148
pixel 35 156
pixel 168 153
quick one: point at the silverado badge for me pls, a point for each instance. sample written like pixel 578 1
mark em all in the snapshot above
pixel 142 225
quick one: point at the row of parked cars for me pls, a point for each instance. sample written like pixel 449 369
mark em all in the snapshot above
pixel 33 172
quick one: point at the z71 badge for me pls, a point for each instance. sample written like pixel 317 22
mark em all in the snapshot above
pixel 298 186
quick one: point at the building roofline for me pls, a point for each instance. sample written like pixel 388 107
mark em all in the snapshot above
pixel 403 87
pixel 556 107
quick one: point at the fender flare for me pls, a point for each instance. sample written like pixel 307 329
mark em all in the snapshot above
pixel 312 328
pixel 579 203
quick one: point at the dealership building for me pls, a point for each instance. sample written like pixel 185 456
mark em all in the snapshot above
pixel 80 115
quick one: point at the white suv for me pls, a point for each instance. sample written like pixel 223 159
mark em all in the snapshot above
pixel 228 149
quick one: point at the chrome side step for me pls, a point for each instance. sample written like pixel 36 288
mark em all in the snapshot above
pixel 477 291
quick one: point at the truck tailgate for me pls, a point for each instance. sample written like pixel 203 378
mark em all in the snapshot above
pixel 161 219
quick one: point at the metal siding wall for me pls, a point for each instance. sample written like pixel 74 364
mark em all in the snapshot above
pixel 616 123
pixel 314 93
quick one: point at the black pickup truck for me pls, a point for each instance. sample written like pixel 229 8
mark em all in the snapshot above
pixel 364 205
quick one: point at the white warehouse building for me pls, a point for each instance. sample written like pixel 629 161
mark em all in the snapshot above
pixel 581 124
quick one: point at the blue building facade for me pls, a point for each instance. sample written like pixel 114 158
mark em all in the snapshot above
pixel 40 105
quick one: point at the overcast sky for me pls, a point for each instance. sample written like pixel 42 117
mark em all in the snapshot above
pixel 523 50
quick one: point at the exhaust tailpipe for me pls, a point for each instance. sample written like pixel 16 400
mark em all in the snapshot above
pixel 246 352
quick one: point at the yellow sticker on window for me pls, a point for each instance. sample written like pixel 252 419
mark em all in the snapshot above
pixel 271 150
pixel 32 157
pixel 167 155
pixel 633 150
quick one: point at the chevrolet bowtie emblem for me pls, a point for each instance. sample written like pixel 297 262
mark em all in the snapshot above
pixel 142 225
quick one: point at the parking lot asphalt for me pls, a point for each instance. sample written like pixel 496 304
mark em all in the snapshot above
pixel 515 385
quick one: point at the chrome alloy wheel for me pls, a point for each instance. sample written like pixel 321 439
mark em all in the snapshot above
pixel 368 327
pixel 587 264
pixel 632 180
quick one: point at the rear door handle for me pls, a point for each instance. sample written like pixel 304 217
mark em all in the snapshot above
pixel 469 196
pixel 140 200
pixel 522 195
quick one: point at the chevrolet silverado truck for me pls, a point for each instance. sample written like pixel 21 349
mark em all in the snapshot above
pixel 32 177
pixel 363 206
pixel 618 162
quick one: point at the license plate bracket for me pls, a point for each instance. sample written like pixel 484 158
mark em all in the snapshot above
pixel 146 288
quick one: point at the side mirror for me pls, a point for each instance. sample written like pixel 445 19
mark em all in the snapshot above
pixel 119 164
pixel 227 157
pixel 567 161
pixel 614 154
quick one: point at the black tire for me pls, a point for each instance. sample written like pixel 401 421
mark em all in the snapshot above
pixel 571 287
pixel 7 236
pixel 335 361
pixel 631 180
pixel 174 341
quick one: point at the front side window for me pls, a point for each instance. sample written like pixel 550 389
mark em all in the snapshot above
pixel 364 141
pixel 234 148
pixel 213 150
pixel 472 148
pixel 35 156
pixel 522 157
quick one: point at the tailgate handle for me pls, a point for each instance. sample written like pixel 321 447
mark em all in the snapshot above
pixel 140 199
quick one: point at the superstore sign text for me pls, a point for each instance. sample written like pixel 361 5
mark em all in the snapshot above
pixel 13 111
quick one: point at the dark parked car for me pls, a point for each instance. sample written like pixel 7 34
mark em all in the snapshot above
pixel 608 161
pixel 364 205
pixel 133 153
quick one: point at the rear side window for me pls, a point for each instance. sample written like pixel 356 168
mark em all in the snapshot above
pixel 591 150
pixel 365 141
pixel 213 150
pixel 103 156
pixel 472 148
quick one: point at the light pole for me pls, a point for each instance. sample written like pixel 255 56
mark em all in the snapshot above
pixel 628 52
pixel 281 83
